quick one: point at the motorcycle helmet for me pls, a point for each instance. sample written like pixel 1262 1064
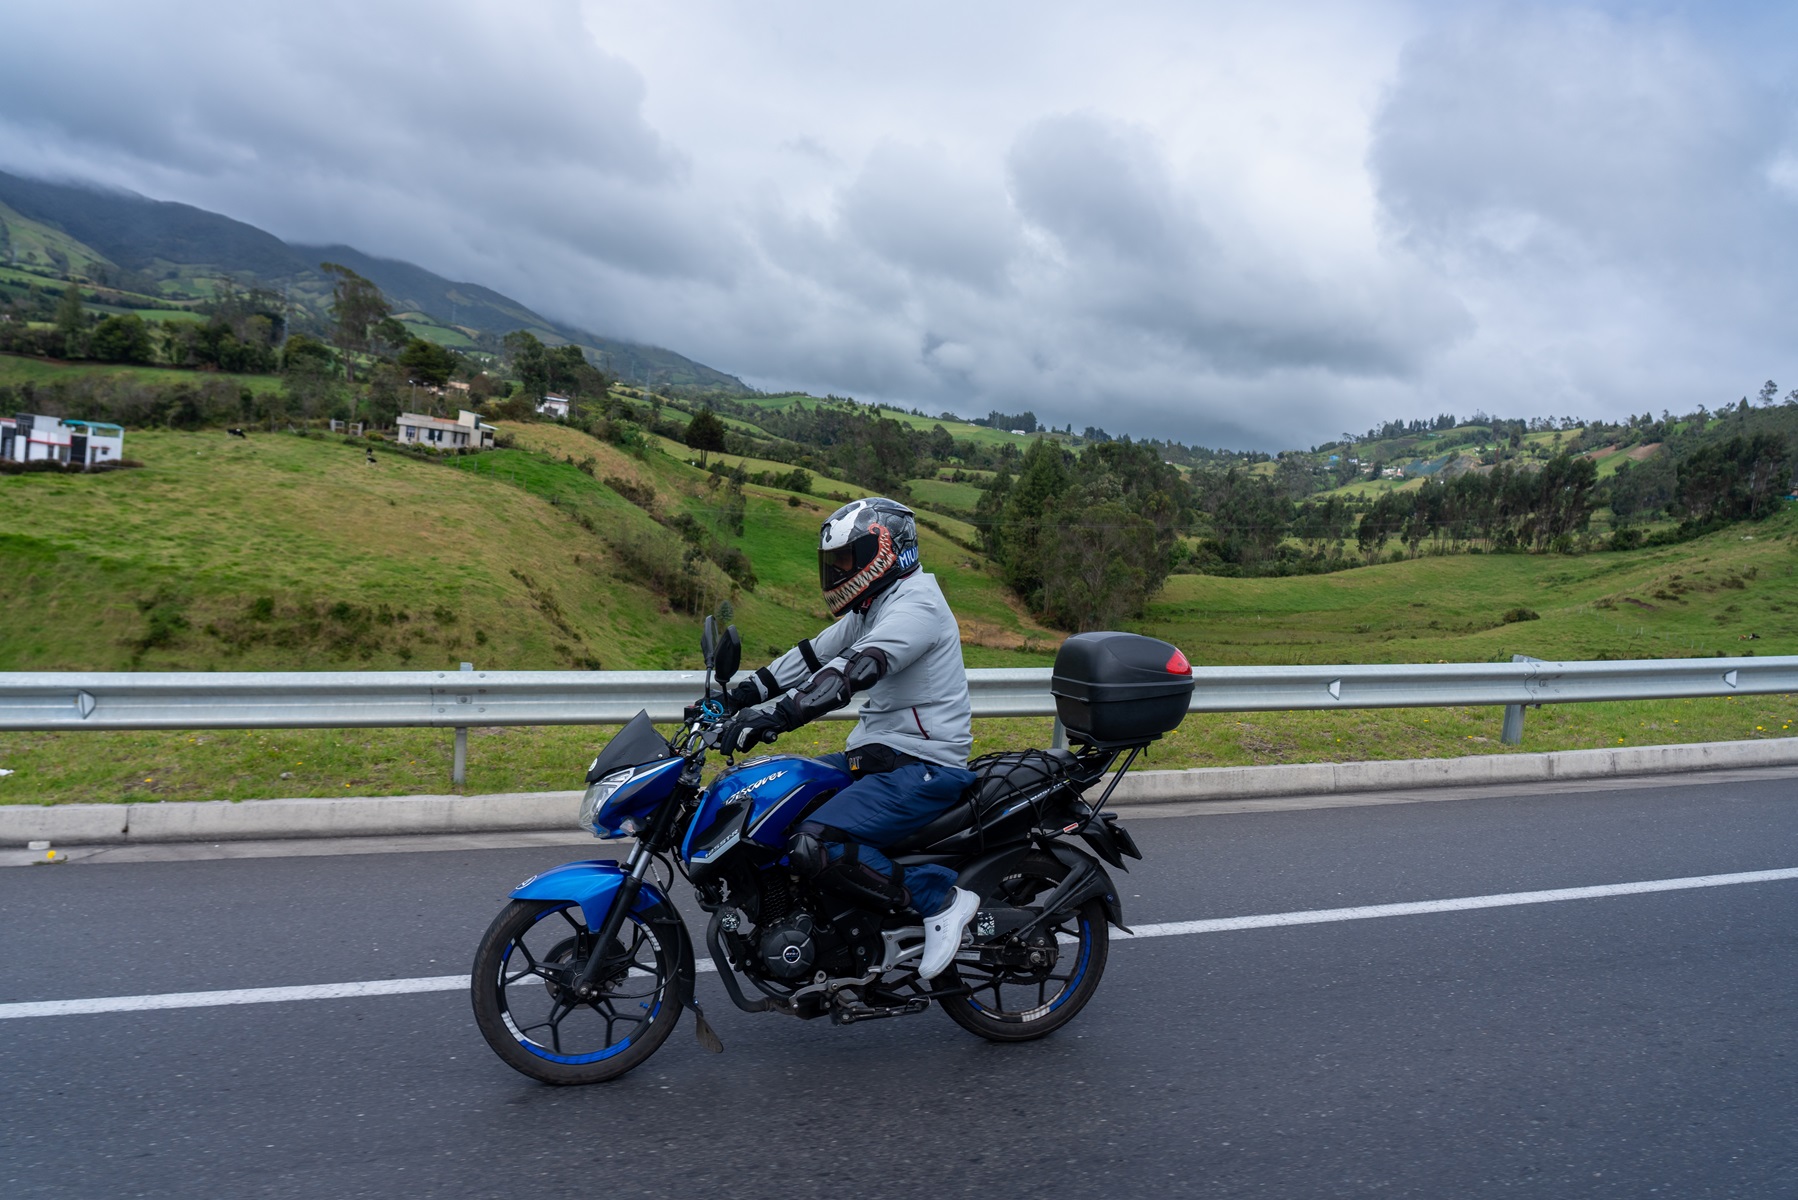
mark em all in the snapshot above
pixel 865 548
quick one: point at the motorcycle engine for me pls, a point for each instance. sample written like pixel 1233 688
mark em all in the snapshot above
pixel 788 948
pixel 798 944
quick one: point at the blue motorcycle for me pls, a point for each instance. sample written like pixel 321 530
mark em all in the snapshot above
pixel 585 973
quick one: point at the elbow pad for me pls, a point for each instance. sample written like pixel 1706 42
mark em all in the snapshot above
pixel 831 688
pixel 822 693
pixel 865 668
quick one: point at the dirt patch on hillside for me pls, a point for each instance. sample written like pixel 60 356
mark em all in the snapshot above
pixel 1638 453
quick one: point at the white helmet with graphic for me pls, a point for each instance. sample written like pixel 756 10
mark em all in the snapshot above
pixel 865 548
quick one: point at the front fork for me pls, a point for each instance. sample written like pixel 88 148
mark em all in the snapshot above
pixel 597 966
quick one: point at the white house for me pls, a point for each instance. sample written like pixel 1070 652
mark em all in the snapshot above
pixel 467 430
pixel 31 437
pixel 554 406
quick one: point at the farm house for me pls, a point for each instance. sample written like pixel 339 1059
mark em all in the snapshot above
pixel 31 437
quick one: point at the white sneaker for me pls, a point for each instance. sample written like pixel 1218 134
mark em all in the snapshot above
pixel 942 933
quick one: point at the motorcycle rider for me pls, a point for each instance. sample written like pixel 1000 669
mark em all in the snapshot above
pixel 895 639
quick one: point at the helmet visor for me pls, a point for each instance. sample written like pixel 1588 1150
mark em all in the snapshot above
pixel 838 565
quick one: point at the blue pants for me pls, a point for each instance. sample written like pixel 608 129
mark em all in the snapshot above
pixel 878 810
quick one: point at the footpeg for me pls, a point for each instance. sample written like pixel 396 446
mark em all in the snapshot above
pixel 849 1014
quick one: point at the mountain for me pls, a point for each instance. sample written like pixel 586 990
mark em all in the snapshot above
pixel 471 307
pixel 144 235
pixel 177 250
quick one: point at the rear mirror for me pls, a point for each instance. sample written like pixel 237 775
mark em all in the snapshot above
pixel 730 656
pixel 708 641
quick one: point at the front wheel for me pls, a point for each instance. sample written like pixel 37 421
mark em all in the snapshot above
pixel 531 1018
pixel 1020 1001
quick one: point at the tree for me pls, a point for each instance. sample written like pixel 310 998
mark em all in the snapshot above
pixel 1028 520
pixel 71 322
pixel 530 362
pixel 705 432
pixel 1098 567
pixel 306 356
pixel 356 305
pixel 123 339
pixel 1742 477
pixel 390 335
pixel 427 363
pixel 386 396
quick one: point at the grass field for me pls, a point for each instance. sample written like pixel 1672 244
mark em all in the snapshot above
pixel 283 552
pixel 1730 593
pixel 961 430
pixel 944 496
pixel 420 325
pixel 16 370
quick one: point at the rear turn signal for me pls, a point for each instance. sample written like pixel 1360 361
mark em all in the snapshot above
pixel 1177 665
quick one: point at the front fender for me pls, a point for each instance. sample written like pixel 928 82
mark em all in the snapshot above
pixel 593 884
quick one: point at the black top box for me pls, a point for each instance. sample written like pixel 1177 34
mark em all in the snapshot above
pixel 1119 689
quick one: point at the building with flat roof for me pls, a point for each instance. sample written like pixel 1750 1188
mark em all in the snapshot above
pixel 33 437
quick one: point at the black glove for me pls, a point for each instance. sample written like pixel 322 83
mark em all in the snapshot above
pixel 744 695
pixel 751 728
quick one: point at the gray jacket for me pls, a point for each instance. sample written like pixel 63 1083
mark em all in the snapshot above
pixel 921 705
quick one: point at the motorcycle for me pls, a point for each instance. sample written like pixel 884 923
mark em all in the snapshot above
pixel 585 973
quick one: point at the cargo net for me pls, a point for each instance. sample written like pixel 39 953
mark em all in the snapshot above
pixel 1037 774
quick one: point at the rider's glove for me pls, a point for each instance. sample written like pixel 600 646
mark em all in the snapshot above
pixel 745 695
pixel 752 727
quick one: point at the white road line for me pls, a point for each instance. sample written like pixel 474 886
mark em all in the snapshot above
pixel 452 983
pixel 1506 900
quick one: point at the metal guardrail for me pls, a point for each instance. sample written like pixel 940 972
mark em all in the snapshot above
pixel 457 699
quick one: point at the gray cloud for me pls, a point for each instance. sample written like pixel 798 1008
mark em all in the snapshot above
pixel 1185 220
pixel 1604 192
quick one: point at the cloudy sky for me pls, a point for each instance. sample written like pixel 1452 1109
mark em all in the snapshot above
pixel 1227 224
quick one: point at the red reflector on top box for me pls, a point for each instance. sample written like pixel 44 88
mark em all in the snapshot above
pixel 1177 665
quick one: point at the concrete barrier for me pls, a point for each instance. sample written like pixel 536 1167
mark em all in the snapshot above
pixel 334 816
pixel 226 820
pixel 1322 779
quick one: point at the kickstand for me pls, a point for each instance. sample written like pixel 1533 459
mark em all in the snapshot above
pixel 702 1030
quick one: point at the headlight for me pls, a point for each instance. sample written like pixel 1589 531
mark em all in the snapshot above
pixel 596 796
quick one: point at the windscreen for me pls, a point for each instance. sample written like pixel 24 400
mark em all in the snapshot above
pixel 637 743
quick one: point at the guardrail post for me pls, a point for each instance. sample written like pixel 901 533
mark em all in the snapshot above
pixel 1058 737
pixel 459 772
pixel 1512 734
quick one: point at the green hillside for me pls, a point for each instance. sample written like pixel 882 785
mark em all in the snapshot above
pixel 16 371
pixel 290 552
pixel 1733 592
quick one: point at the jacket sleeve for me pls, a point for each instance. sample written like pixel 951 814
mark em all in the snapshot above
pixel 801 662
pixel 905 632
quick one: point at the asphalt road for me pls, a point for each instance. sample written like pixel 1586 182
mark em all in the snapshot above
pixel 1632 1046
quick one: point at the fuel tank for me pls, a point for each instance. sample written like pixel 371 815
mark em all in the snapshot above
pixel 757 802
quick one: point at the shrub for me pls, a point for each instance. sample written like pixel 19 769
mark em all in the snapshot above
pixel 1514 615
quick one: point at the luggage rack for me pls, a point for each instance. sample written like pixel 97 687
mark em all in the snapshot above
pixel 1105 756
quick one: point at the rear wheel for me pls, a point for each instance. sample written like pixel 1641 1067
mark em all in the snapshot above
pixel 529 1015
pixel 1004 999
